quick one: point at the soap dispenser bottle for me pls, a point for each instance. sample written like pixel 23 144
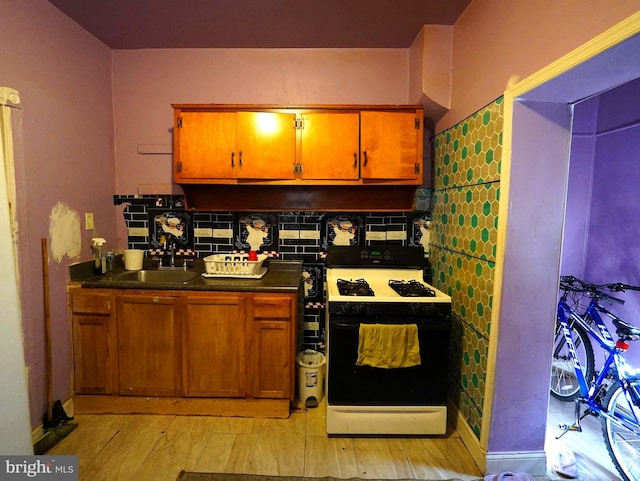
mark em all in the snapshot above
pixel 99 260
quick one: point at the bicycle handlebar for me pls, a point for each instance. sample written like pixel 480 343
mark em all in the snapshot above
pixel 619 286
pixel 607 297
pixel 573 284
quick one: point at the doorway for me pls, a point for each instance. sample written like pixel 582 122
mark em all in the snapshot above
pixel 538 112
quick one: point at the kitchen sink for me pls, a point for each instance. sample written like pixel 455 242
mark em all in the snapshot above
pixel 157 276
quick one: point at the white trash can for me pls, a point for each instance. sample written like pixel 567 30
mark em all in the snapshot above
pixel 311 365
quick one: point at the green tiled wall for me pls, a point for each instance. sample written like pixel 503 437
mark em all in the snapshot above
pixel 463 245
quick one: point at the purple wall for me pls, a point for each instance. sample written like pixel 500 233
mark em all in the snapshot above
pixel 602 225
pixel 578 207
pixel 64 143
pixel 533 239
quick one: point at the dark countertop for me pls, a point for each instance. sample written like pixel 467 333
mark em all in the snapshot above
pixel 282 276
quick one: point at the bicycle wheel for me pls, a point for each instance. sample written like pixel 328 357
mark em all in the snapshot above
pixel 623 440
pixel 564 383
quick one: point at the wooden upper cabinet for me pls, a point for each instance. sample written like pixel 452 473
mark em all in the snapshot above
pixel 305 145
pixel 205 145
pixel 330 146
pixel 266 145
pixel 391 145
pixel 214 145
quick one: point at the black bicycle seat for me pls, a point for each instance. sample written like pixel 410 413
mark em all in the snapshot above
pixel 627 331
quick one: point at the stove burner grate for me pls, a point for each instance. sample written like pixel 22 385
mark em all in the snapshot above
pixel 359 287
pixel 411 288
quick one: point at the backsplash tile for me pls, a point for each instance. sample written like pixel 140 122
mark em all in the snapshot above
pixel 256 231
pixel 464 233
pixel 291 236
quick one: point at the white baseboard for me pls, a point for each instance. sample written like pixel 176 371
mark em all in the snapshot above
pixel 532 462
pixel 471 442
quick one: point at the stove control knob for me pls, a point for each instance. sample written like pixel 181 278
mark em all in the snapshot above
pixel 357 308
pixel 422 309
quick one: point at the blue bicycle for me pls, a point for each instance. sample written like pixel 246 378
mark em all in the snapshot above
pixel 613 394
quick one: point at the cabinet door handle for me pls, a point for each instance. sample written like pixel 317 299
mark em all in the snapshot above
pixel 366 159
pixel 233 154
pixel 240 158
pixel 355 160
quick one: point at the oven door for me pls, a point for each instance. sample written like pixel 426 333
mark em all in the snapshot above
pixel 348 384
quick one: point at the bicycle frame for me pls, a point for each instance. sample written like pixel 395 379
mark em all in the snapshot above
pixel 603 337
pixel 605 340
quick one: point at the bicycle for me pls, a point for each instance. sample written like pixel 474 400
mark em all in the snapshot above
pixel 564 383
pixel 616 404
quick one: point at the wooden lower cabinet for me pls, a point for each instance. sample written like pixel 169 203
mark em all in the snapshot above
pixel 183 352
pixel 149 351
pixel 213 345
pixel 93 342
pixel 272 352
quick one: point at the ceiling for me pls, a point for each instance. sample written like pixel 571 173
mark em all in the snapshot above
pixel 134 24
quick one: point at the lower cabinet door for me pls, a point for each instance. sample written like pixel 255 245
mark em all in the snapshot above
pixel 272 359
pixel 149 360
pixel 213 346
pixel 92 355
pixel 271 352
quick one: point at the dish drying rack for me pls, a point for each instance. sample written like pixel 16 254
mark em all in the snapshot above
pixel 235 265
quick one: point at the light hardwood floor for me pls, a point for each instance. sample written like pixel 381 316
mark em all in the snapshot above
pixel 592 458
pixel 154 447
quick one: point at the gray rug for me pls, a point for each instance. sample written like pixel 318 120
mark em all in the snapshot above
pixel 186 476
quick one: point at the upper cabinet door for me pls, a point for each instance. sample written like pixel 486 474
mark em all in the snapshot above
pixel 266 145
pixel 205 145
pixel 391 145
pixel 330 146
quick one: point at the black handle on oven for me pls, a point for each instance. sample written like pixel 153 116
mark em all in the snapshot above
pixel 343 324
pixel 431 324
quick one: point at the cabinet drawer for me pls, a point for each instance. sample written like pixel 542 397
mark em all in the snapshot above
pixel 271 308
pixel 91 303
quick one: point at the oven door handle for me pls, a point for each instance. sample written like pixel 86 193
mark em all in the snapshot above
pixel 344 324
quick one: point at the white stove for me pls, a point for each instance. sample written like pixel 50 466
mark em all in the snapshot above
pixel 378 280
pixel 364 400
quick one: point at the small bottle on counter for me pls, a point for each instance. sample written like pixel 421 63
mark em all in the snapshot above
pixel 110 257
pixel 99 260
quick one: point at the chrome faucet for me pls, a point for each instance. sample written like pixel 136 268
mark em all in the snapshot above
pixel 170 245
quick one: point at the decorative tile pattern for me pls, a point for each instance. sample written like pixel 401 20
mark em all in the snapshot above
pixel 467 219
pixel 313 282
pixel 256 231
pixel 420 231
pixel 220 227
pixel 423 199
pixel 469 282
pixel 468 370
pixel 470 152
pixel 174 225
pixel 304 234
pixel 342 229
pixel 465 205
